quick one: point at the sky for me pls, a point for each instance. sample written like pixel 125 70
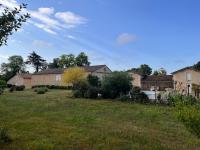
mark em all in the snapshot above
pixel 119 33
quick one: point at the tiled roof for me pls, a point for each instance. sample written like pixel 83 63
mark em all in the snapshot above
pixel 190 67
pixel 50 71
pixel 60 70
pixel 158 78
pixel 93 68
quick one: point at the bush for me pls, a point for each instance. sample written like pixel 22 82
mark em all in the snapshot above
pixel 1 91
pixel 190 117
pixel 93 80
pixel 116 84
pixel 180 99
pixel 82 87
pixel 12 88
pixel 42 90
pixel 92 92
pixel 124 98
pixel 53 87
pixel 3 84
pixel 138 96
pixel 77 94
pixel 19 88
pixel 4 137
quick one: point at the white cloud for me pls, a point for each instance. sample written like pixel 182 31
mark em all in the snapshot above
pixel 3 56
pixel 126 38
pixel 70 19
pixel 71 37
pixel 47 19
pixel 41 43
pixel 47 11
pixel 9 3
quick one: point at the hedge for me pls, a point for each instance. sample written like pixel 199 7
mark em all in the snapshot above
pixel 53 87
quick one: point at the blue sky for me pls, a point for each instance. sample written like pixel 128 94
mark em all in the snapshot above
pixel 119 33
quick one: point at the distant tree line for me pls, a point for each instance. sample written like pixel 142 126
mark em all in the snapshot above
pixel 17 64
pixel 146 70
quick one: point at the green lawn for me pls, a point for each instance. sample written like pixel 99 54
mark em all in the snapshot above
pixel 53 121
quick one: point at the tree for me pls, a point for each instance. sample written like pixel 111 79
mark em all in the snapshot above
pixel 54 64
pixel 93 80
pixel 74 75
pixel 15 64
pixel 67 61
pixel 36 60
pixel 145 70
pixel 116 84
pixel 160 72
pixel 156 73
pixel 197 66
pixel 10 21
pixel 82 60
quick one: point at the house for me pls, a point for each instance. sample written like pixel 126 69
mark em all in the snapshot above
pixel 151 82
pixel 21 79
pixel 185 79
pixel 54 76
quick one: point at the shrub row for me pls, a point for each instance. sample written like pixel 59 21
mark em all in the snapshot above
pixel 53 87
pixel 187 111
pixel 16 88
pixel 41 90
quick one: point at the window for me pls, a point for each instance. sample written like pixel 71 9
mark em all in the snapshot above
pixel 188 76
pixel 58 77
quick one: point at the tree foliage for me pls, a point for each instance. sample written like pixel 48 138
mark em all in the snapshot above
pixel 160 72
pixel 74 75
pixel 144 70
pixel 70 60
pixel 15 64
pixel 93 80
pixel 82 60
pixel 37 61
pixel 11 21
pixel 116 84
pixel 67 61
pixel 197 66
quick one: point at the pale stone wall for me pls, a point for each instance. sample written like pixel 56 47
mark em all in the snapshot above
pixel 19 80
pixel 16 80
pixel 136 79
pixel 47 79
pixel 182 81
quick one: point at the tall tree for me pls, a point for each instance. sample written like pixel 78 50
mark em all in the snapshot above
pixel 160 72
pixel 145 70
pixel 36 60
pixel 15 64
pixel 197 66
pixel 10 21
pixel 82 60
pixel 67 61
pixel 54 64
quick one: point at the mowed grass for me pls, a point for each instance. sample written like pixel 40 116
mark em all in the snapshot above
pixel 55 122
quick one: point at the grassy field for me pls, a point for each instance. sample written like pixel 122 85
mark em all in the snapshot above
pixel 55 122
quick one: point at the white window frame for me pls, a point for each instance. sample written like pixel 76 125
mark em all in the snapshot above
pixel 58 77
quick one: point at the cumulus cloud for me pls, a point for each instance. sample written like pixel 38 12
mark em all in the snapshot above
pixel 70 19
pixel 9 3
pixel 41 43
pixel 47 11
pixel 47 19
pixel 126 38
